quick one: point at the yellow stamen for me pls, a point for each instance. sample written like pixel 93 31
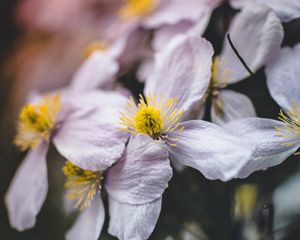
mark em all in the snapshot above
pixel 219 76
pixel 137 8
pixel 291 129
pixel 152 116
pixel 82 185
pixel 36 122
pixel 98 46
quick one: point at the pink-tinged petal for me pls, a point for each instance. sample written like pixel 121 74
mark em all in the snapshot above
pixel 90 136
pixel 134 222
pixel 174 11
pixel 88 224
pixel 286 10
pixel 142 174
pixel 270 150
pixel 283 76
pixel 97 71
pixel 257 34
pixel 212 150
pixel 230 105
pixel 28 189
pixel 164 34
pixel 183 71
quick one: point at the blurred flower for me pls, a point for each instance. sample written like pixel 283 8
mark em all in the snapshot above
pixel 245 198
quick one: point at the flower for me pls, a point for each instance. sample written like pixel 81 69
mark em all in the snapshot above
pixel 256 33
pixel 70 120
pixel 275 140
pixel 283 83
pixel 159 134
pixel 136 183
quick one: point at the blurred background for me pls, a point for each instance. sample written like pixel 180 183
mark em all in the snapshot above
pixel 42 44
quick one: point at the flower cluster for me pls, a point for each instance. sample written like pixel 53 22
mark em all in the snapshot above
pixel 126 145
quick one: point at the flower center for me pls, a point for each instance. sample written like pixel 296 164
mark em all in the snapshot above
pixel 137 8
pixel 36 122
pixel 153 116
pixel 291 129
pixel 82 185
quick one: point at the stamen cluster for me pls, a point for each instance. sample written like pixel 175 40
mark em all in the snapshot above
pixel 153 116
pixel 82 185
pixel 36 122
pixel 291 129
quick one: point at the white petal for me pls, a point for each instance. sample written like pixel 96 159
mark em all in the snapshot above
pixel 142 174
pixel 133 222
pixel 174 11
pixel 286 10
pixel 183 70
pixel 28 189
pixel 90 136
pixel 230 105
pixel 257 34
pixel 269 148
pixel 212 150
pixel 88 224
pixel 97 71
pixel 283 76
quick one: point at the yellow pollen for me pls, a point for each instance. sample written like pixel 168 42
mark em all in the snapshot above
pixel 36 122
pixel 291 129
pixel 153 116
pixel 98 46
pixel 137 8
pixel 82 185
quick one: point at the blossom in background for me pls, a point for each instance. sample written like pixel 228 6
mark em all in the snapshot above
pixel 257 34
pixel 60 118
pixel 286 10
pixel 275 140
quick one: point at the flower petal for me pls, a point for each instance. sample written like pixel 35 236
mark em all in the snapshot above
pixel 230 105
pixel 89 136
pixel 283 76
pixel 142 174
pixel 97 71
pixel 256 33
pixel 212 150
pixel 88 224
pixel 28 189
pixel 182 70
pixel 164 34
pixel 134 222
pixel 174 11
pixel 269 148
pixel 286 10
